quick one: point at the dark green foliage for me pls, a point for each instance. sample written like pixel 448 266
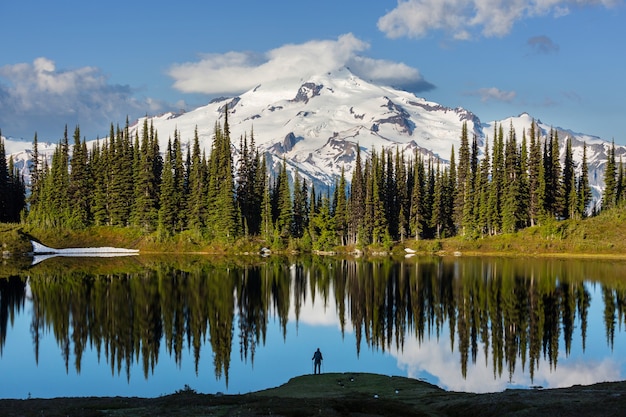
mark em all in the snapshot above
pixel 127 182
pixel 12 189
pixel 609 197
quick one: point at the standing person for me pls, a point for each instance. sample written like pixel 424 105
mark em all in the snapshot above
pixel 317 362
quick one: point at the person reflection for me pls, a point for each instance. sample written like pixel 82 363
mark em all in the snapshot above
pixel 317 361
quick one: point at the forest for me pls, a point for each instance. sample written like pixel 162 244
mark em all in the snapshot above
pixel 126 180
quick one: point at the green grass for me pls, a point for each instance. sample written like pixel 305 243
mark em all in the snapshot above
pixel 603 235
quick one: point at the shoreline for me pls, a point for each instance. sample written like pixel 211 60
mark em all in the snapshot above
pixel 336 394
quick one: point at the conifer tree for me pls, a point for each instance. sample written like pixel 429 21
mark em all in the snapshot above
pixel 494 204
pixel 340 221
pixel 196 202
pixel 403 187
pixel 178 169
pixel 283 203
pixel 376 200
pixel 80 185
pixel 16 192
pixel 299 208
pixel 438 219
pixel 357 198
pixel 511 205
pixel 324 224
pixel 569 182
pixel 222 208
pixel 619 183
pixel 483 187
pixel 168 211
pixel 463 180
pixel 610 186
pixel 450 191
pixel 524 191
pixel 535 163
pixel 417 215
pixel 267 224
pixel 35 170
pixel 469 219
pixel 98 160
pixel 146 199
pixel 557 176
pixel 121 193
pixel 4 183
pixel 583 190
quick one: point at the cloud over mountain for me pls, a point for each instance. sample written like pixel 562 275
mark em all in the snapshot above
pixel 236 72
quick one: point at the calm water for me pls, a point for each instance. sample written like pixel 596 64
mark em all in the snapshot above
pixel 143 326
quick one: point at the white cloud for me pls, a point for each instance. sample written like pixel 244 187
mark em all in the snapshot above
pixel 434 357
pixel 493 93
pixel 236 72
pixel 462 19
pixel 38 97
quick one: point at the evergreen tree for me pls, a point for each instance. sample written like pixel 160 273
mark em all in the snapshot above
pixel 299 209
pixel 535 163
pixel 324 225
pixel 417 215
pixel 196 202
pixel 463 181
pixel 610 187
pixel 16 192
pixel 168 211
pixel 619 183
pixel 494 204
pixel 375 200
pixel 483 187
pixel 403 186
pixel 222 208
pixel 146 199
pixel 524 188
pixel 99 179
pixel 438 218
pixel 511 206
pixel 340 221
pixel 4 183
pixel 35 170
pixel 122 190
pixel 267 224
pixel 569 182
pixel 357 199
pixel 583 190
pixel 450 191
pixel 178 169
pixel 80 186
pixel 557 176
pixel 283 203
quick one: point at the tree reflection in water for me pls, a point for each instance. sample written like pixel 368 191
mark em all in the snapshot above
pixel 516 310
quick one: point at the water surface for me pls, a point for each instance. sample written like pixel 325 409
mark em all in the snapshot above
pixel 146 326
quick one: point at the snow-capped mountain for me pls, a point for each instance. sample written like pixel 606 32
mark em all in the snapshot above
pixel 316 124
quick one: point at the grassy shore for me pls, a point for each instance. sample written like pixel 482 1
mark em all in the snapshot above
pixel 603 235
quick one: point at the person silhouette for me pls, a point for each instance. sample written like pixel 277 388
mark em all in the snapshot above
pixel 317 361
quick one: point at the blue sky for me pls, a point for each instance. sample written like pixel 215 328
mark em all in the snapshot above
pixel 93 63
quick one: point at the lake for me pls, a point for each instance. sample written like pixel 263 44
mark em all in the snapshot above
pixel 149 326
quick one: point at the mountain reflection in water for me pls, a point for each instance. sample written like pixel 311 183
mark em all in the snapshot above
pixel 500 318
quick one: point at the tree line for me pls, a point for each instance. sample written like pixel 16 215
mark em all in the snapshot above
pixel 12 188
pixel 125 180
